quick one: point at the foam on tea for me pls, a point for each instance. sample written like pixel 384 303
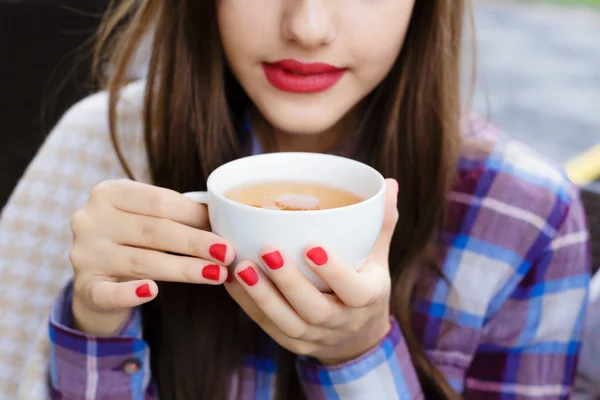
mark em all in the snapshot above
pixel 292 196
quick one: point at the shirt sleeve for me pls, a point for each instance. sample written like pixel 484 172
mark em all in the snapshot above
pixel 530 344
pixel 385 372
pixel 97 367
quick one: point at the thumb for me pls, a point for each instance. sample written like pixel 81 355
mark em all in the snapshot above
pixel 381 249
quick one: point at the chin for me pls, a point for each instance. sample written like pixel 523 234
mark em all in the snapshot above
pixel 297 121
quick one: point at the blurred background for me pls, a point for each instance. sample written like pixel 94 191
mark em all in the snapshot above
pixel 539 67
pixel 538 75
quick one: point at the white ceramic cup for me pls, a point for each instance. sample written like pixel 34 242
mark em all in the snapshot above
pixel 348 232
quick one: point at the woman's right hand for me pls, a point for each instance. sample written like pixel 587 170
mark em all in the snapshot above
pixel 120 242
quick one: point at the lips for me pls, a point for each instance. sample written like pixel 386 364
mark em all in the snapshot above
pixel 298 77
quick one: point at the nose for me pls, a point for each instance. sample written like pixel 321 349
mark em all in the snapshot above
pixel 309 23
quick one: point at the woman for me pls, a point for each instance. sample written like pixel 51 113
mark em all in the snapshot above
pixel 478 291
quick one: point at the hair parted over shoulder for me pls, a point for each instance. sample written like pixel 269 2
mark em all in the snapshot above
pixel 408 129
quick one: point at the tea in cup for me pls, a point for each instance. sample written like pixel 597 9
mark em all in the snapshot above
pixel 294 201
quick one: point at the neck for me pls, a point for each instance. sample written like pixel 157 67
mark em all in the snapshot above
pixel 274 140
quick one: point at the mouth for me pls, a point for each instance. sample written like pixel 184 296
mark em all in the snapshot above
pixel 298 77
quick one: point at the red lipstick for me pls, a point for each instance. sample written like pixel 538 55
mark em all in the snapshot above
pixel 298 77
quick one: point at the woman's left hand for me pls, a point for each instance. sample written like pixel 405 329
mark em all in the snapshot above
pixel 333 328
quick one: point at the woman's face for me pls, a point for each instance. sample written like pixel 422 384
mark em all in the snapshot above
pixel 306 63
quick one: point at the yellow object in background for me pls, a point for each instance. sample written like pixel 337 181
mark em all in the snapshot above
pixel 585 168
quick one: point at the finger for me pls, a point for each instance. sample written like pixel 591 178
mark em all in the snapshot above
pixel 272 303
pixel 108 295
pixel 124 261
pixel 355 289
pixel 167 235
pixel 381 250
pixel 312 305
pixel 140 198
pixel 247 304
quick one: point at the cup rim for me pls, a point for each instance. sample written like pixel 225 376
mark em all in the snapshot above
pixel 380 191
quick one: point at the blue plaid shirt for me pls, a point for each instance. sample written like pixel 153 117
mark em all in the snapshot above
pixel 506 324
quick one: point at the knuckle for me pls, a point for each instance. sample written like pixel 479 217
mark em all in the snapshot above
pixel 103 189
pixel 94 295
pixel 148 230
pixel 355 327
pixel 91 255
pixel 80 222
pixel 361 300
pixel 295 330
pixel 158 203
pixel 195 246
pixel 76 257
pixel 137 266
pixel 262 301
pixel 203 222
pixel 288 285
pixel 321 317
pixel 261 319
pixel 189 271
pixel 383 296
pixel 301 348
pixel 329 341
pixel 76 222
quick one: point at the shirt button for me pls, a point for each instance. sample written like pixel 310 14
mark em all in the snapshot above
pixel 132 366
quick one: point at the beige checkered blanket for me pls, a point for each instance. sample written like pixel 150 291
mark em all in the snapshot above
pixel 35 236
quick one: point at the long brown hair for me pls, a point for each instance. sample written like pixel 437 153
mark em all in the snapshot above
pixel 409 130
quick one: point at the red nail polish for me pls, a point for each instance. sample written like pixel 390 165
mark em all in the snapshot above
pixel 317 255
pixel 212 272
pixel 273 260
pixel 249 276
pixel 143 291
pixel 218 251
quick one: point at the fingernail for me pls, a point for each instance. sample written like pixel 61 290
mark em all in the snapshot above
pixel 218 251
pixel 273 260
pixel 143 291
pixel 229 278
pixel 249 276
pixel 212 272
pixel 317 255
